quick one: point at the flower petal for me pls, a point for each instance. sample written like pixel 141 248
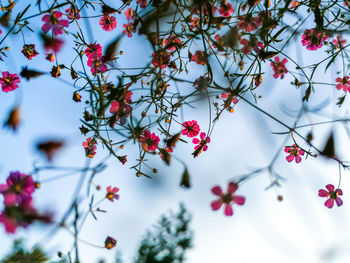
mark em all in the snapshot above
pixel 216 190
pixel 216 204
pixel 239 200
pixel 330 187
pixel 338 201
pixel 323 193
pixel 232 187
pixel 329 203
pixel 228 210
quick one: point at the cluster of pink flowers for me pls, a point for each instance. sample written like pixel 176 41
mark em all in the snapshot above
pixel 332 194
pixel 338 42
pixel 120 107
pixel 9 81
pixel 149 141
pixel 225 9
pixel 19 210
pixel 95 59
pixel 130 26
pixel 227 199
pixel 313 39
pixel 250 44
pixel 200 57
pixel 108 23
pixel 294 153
pixel 343 83
pixel 90 147
pixel 279 67
pixel 160 58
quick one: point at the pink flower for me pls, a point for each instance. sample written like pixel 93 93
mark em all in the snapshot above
pixel 202 144
pixel 129 14
pixel 166 150
pixel 313 39
pixel 111 193
pixel 294 152
pixel 332 195
pixel 9 81
pixel 73 13
pixel 226 10
pixel 108 23
pixel 339 42
pixel 19 188
pixel 149 141
pixel 129 29
pixel 29 51
pixel 121 110
pixel 93 50
pixel 172 43
pixel 160 58
pixel 142 3
pixel 294 4
pixel 191 128
pixel 225 96
pixel 279 67
pixel 96 65
pixel 249 23
pixel 250 44
pixel 53 22
pixel 344 83
pixel 53 44
pixel 90 147
pixel 228 198
pixel 200 57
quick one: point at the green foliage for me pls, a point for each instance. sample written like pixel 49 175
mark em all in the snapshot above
pixel 20 255
pixel 168 241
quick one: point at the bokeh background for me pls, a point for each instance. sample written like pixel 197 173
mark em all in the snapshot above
pixel 298 229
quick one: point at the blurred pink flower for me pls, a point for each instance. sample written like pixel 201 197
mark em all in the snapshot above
pixel 332 195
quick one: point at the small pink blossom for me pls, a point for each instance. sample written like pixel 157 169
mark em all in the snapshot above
pixel 142 3
pixel 93 50
pixel 202 144
pixel 19 187
pixel 279 67
pixel 191 128
pixel 149 141
pixel 249 23
pixel 129 14
pixel 129 29
pixel 97 65
pixel 250 44
pixel 90 147
pixel 200 57
pixel 111 193
pixel 172 43
pixel 294 152
pixel 53 21
pixel 227 199
pixel 332 195
pixel 226 95
pixel 313 39
pixel 343 83
pixel 339 42
pixel 160 58
pixel 73 13
pixel 226 9
pixel 108 23
pixel 9 81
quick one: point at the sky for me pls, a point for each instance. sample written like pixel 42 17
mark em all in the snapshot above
pixel 298 229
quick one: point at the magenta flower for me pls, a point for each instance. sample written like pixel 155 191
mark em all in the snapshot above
pixel 228 199
pixel 142 3
pixel 294 152
pixel 344 83
pixel 129 29
pixel 97 65
pixel 191 128
pixel 313 39
pixel 160 58
pixel 111 193
pixel 29 51
pixel 171 43
pixel 200 57
pixel 149 141
pixel 90 147
pixel 9 81
pixel 250 44
pixel 249 23
pixel 53 22
pixel 129 14
pixel 121 110
pixel 332 195
pixel 226 9
pixel 73 13
pixel 338 42
pixel 108 23
pixel 279 67
pixel 19 187
pixel 225 96
pixel 93 50
pixel 202 144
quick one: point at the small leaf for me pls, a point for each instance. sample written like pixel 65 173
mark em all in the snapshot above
pixel 185 179
pixel 28 73
pixel 329 150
